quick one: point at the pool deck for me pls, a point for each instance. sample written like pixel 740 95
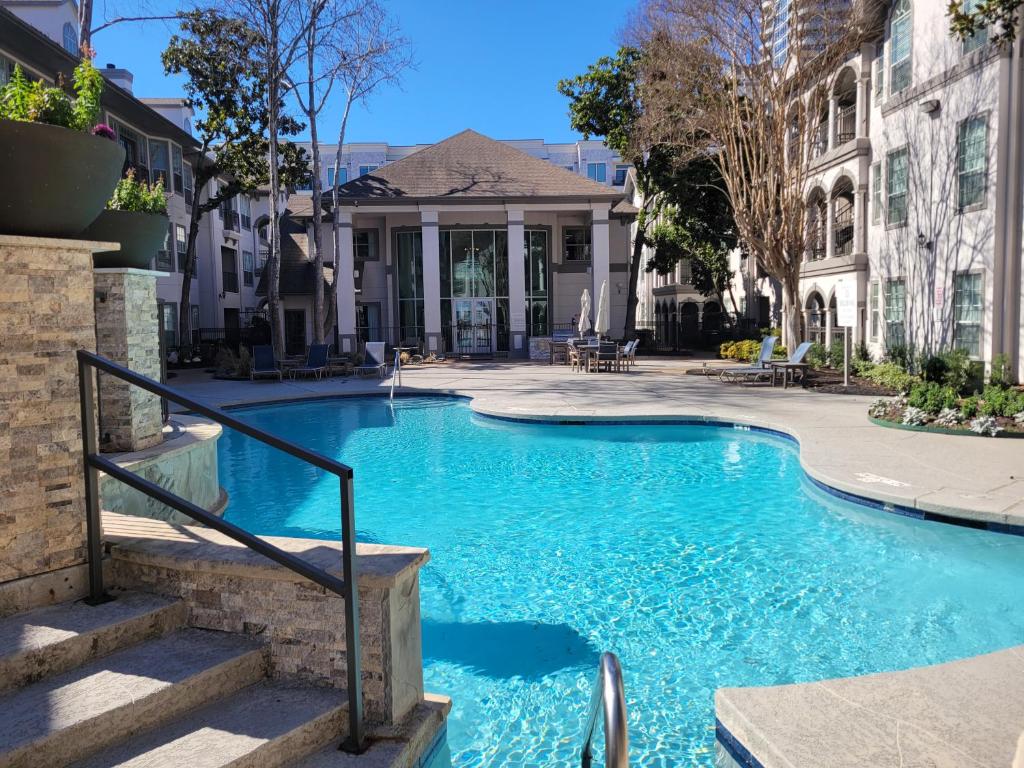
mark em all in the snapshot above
pixel 966 713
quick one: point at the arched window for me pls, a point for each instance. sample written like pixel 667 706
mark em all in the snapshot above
pixel 901 29
pixel 70 38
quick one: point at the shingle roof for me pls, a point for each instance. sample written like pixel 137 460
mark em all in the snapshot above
pixel 470 165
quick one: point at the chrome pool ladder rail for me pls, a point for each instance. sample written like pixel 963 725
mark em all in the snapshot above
pixel 396 371
pixel 609 697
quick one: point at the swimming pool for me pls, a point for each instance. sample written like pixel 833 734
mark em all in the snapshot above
pixel 702 556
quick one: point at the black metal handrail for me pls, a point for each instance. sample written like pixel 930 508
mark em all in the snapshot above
pixel 93 463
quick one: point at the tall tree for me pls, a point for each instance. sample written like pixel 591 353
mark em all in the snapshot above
pixel 319 65
pixel 140 11
pixel 223 84
pixel 715 85
pixel 966 18
pixel 279 28
pixel 372 54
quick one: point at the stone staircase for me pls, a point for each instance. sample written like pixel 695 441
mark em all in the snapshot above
pixel 128 683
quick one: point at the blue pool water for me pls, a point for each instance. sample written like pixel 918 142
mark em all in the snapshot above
pixel 700 555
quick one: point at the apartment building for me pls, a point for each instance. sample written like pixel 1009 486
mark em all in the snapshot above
pixel 42 37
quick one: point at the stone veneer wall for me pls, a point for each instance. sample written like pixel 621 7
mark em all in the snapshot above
pixel 127 332
pixel 46 307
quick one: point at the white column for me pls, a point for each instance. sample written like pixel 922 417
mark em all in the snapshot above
pixel 831 140
pixel 599 256
pixel 345 284
pixel 431 280
pixel 828 327
pixel 830 224
pixel 860 219
pixel 517 281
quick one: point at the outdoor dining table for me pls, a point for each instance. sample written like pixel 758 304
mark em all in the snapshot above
pixel 788 371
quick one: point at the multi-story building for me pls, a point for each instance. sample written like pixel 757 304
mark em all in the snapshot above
pixel 41 36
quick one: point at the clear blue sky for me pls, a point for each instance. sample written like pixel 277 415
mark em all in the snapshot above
pixel 482 64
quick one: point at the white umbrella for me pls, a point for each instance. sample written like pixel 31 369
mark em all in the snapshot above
pixel 584 324
pixel 601 319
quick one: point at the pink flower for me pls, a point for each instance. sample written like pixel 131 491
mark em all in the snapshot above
pixel 105 131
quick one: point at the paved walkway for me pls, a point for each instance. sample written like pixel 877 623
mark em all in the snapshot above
pixel 959 476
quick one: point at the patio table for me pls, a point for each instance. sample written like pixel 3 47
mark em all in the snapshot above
pixel 788 371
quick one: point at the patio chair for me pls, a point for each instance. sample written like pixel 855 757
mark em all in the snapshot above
pixel 263 363
pixel 757 369
pixel 790 367
pixel 607 354
pixel 374 360
pixel 574 357
pixel 316 362
pixel 629 353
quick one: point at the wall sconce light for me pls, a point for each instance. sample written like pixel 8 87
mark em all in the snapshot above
pixel 618 287
pixel 924 242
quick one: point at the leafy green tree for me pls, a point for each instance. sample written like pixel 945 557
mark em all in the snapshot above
pixel 225 87
pixel 1003 15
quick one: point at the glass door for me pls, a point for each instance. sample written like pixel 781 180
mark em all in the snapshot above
pixel 474 330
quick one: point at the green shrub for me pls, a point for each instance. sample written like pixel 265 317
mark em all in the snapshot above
pixel 35 102
pixel 860 353
pixel 931 397
pixel 780 352
pixel 1001 375
pixel 836 357
pixel 817 355
pixel 138 196
pixel 891 376
pixel 996 401
pixel 969 407
pixel 744 351
pixel 901 355
pixel 862 367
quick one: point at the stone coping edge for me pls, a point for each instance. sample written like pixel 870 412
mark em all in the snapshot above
pixel 186 431
pixel 68 243
pixel 880 501
pixel 941 430
pixel 734 747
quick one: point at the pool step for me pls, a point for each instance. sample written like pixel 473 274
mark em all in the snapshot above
pixel 267 725
pixel 110 699
pixel 47 641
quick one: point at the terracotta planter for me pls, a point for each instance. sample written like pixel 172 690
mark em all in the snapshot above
pixel 140 236
pixel 55 180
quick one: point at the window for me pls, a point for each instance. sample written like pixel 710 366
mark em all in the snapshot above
pixel 972 162
pixel 181 245
pixel 596 172
pixel 229 270
pixel 247 268
pixel 879 74
pixel 195 323
pixel 6 69
pixel 245 211
pixel 535 252
pixel 900 32
pixel 164 259
pixel 365 169
pixel 229 215
pixel 571 168
pixel 70 35
pixel 876 193
pixel 159 161
pixel 873 307
pixel 136 154
pixel 896 181
pixel 176 168
pixel 967 313
pixel 169 312
pixel 620 175
pixel 577 243
pixel 342 176
pixel 980 36
pixel 895 313
pixel 780 33
pixel 364 242
pixel 410 283
pixel 188 186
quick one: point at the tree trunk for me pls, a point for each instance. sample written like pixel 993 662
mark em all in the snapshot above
pixel 274 225
pixel 319 323
pixel 791 312
pixel 84 24
pixel 336 209
pixel 184 307
pixel 634 278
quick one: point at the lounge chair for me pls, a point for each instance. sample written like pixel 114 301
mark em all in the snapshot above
pixel 263 363
pixel 316 362
pixel 374 360
pixel 791 366
pixel 757 369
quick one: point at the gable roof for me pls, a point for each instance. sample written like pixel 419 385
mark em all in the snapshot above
pixel 470 165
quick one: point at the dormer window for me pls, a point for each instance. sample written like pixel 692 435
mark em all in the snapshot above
pixel 70 35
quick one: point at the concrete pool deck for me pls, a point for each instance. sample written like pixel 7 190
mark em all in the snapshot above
pixel 966 713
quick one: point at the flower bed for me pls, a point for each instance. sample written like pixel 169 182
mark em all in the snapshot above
pixel 990 414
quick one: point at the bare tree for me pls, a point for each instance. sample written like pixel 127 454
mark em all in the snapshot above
pixel 141 10
pixel 744 82
pixel 320 65
pixel 372 54
pixel 281 27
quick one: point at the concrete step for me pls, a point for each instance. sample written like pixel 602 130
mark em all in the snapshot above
pixel 51 640
pixel 267 725
pixel 79 712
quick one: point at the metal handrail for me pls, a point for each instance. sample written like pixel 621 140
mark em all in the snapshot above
pixel 609 696
pixel 93 463
pixel 396 371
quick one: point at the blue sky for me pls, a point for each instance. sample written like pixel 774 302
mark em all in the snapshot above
pixel 482 64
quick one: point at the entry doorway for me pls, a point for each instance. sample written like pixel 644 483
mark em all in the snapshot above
pixel 232 328
pixel 294 331
pixel 473 326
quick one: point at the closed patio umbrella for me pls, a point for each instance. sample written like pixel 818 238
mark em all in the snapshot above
pixel 601 318
pixel 584 324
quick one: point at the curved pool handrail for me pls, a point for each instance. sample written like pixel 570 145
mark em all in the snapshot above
pixel 608 696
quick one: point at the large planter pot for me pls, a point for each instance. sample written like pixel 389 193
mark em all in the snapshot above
pixel 140 236
pixel 55 180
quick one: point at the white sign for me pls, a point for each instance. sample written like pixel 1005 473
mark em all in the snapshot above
pixel 846 303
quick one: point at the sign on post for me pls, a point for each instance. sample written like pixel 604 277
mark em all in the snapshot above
pixel 846 317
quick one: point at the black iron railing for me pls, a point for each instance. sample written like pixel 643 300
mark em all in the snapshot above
pixel 94 463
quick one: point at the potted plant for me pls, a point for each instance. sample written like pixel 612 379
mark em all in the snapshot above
pixel 56 173
pixel 136 217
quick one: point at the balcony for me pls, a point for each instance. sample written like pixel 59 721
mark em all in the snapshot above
pixel 846 124
pixel 230 219
pixel 229 282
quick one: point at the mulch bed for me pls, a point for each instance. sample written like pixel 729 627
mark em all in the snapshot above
pixel 831 382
